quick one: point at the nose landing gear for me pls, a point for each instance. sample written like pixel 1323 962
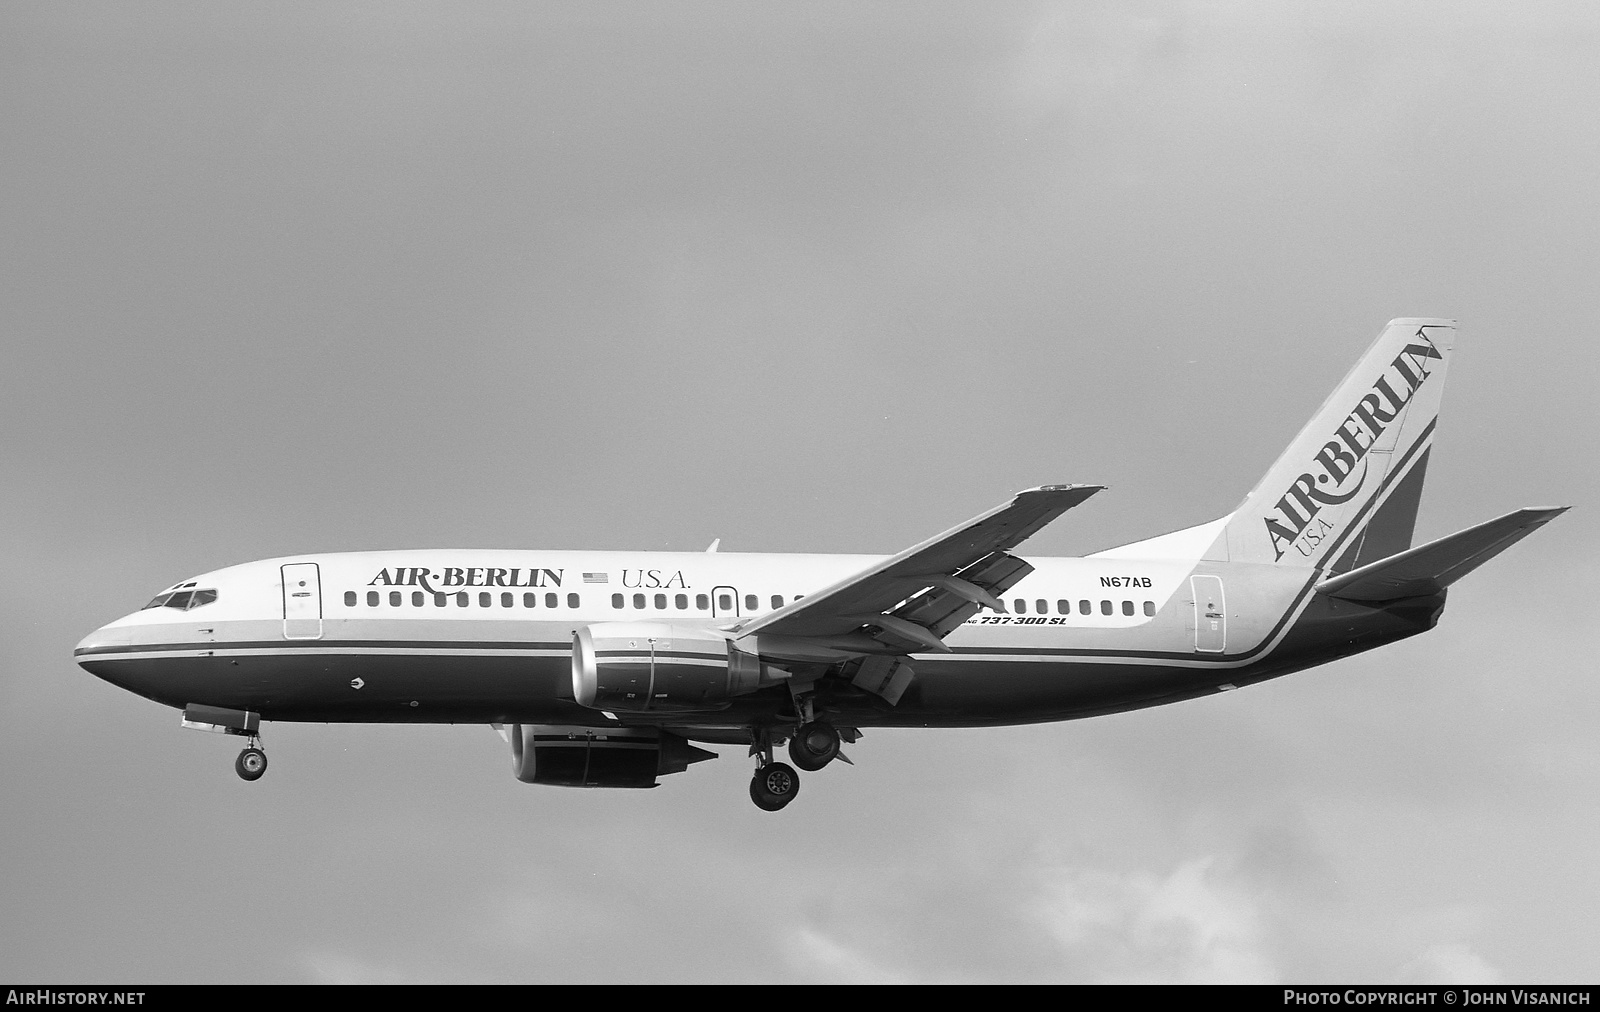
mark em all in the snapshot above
pixel 252 762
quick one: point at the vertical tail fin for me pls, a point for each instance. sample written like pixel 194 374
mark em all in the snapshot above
pixel 1345 492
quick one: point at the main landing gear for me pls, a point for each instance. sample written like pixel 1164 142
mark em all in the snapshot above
pixel 812 746
pixel 252 762
pixel 774 785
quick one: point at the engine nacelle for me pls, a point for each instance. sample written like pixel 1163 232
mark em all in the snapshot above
pixel 561 756
pixel 658 666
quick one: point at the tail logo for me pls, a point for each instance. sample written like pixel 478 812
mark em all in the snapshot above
pixel 1335 467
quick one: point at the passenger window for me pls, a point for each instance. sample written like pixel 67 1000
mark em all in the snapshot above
pixel 572 600
pixel 616 600
pixel 438 599
pixel 1085 608
pixel 349 599
pixel 751 603
pixel 461 599
pixel 661 601
pixel 702 602
pixel 681 601
pixel 530 600
pixel 725 602
pixel 550 600
pixel 1105 607
pixel 1149 607
pixel 506 599
pixel 777 600
pixel 1064 607
pixel 638 600
pixel 484 599
pixel 1042 606
pixel 372 599
pixel 1020 605
pixel 416 599
pixel 394 599
pixel 1127 607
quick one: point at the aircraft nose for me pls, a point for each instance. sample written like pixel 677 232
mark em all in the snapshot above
pixel 109 654
pixel 103 640
pixel 97 652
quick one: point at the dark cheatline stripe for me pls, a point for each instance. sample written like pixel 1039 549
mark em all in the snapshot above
pixel 315 645
pixel 639 654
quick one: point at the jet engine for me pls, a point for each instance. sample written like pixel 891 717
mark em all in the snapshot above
pixel 659 666
pixel 563 756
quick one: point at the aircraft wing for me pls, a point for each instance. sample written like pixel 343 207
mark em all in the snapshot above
pixel 910 602
pixel 1428 569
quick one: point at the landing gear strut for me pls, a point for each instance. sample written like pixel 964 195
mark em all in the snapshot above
pixel 775 784
pixel 252 762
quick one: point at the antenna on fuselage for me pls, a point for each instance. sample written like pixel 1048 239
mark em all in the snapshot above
pixel 714 543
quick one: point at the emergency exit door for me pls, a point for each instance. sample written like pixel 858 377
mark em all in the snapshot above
pixel 724 602
pixel 302 601
pixel 1210 615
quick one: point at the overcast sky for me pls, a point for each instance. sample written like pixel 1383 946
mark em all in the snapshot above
pixel 283 278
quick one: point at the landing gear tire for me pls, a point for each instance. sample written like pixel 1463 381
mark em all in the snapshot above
pixel 773 786
pixel 814 746
pixel 252 762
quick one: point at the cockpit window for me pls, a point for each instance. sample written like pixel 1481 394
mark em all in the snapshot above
pixel 183 600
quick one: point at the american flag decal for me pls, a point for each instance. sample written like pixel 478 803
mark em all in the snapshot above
pixel 595 578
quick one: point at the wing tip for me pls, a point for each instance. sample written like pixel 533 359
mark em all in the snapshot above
pixel 1421 321
pixel 1541 514
pixel 1089 489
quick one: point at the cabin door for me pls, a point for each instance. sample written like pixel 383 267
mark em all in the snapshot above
pixel 302 602
pixel 1210 617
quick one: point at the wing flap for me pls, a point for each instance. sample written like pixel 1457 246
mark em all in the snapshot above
pixel 1428 569
pixel 912 586
pixel 950 600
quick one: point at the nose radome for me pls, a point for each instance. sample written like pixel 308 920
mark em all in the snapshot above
pixel 106 636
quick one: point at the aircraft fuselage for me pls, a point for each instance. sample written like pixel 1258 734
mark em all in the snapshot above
pixel 487 636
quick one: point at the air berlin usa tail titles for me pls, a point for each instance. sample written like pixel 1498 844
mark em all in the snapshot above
pixel 1339 457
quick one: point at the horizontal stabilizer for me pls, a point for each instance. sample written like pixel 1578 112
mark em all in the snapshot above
pixel 1430 568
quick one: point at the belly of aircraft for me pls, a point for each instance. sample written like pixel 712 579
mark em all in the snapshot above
pixel 390 688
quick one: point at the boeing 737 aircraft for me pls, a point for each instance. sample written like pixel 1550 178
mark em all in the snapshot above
pixel 602 669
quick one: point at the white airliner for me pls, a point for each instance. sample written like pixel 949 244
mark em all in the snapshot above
pixel 602 668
